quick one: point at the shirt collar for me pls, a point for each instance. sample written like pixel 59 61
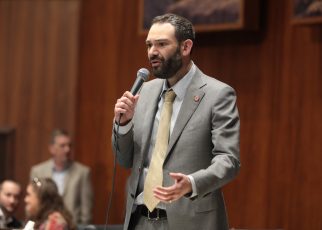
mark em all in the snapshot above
pixel 68 164
pixel 181 86
pixel 3 217
pixel 1 213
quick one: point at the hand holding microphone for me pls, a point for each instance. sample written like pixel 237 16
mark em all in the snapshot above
pixel 124 107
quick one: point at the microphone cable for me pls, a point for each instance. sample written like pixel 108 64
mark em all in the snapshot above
pixel 142 76
pixel 117 150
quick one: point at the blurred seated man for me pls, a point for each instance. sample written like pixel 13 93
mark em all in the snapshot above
pixel 72 178
pixel 46 207
pixel 9 200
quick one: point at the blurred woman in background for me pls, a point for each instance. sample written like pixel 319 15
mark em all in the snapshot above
pixel 45 206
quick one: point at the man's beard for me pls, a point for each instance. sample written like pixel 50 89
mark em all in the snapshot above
pixel 169 67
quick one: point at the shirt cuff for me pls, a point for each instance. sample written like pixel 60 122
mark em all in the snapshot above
pixel 123 129
pixel 193 185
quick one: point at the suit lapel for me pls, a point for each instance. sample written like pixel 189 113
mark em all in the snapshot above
pixel 48 170
pixel 189 105
pixel 68 177
pixel 151 106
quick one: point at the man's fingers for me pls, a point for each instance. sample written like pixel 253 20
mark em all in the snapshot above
pixel 165 197
pixel 164 191
pixel 176 176
pixel 175 191
pixel 125 106
pixel 125 102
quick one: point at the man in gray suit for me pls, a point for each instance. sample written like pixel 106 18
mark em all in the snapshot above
pixel 203 150
pixel 72 178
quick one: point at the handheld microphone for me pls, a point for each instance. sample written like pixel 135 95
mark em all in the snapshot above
pixel 141 76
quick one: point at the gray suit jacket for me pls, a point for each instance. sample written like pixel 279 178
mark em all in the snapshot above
pixel 77 195
pixel 204 144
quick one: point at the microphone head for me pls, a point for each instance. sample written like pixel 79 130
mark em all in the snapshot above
pixel 143 73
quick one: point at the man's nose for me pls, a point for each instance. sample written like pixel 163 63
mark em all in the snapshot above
pixel 153 51
pixel 67 148
pixel 12 199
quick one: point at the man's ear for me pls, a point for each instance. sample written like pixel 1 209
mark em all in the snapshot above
pixel 186 47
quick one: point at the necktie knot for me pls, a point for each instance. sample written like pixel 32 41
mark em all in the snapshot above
pixel 169 96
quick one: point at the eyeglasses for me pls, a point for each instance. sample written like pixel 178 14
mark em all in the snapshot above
pixel 36 181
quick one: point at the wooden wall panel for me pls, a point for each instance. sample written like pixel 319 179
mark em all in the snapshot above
pixel 38 75
pixel 111 53
pixel 276 72
pixel 7 140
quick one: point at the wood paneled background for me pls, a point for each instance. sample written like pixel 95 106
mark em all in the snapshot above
pixel 39 44
pixel 64 63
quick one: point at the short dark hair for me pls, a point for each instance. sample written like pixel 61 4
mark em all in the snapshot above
pixel 57 132
pixel 183 27
pixel 10 181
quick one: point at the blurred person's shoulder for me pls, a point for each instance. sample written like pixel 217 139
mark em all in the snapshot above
pixel 80 167
pixel 44 165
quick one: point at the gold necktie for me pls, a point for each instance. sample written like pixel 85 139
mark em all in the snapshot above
pixel 154 176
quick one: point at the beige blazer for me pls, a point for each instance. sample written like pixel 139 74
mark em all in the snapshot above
pixel 77 195
pixel 204 144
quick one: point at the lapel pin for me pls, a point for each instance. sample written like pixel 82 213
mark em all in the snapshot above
pixel 196 98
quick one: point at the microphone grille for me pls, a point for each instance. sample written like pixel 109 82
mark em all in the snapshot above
pixel 143 73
